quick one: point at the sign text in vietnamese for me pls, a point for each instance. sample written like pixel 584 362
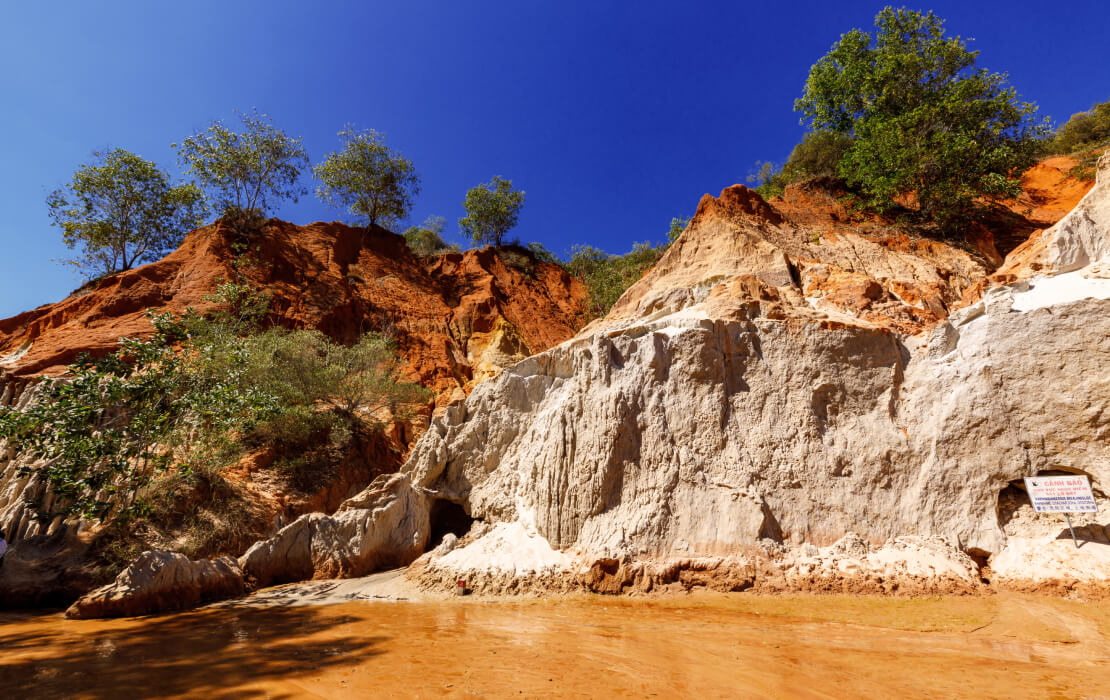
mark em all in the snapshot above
pixel 1060 494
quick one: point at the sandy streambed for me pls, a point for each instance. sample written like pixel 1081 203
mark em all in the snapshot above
pixel 1004 646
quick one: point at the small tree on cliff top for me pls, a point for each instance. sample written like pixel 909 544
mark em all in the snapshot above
pixel 427 239
pixel 369 179
pixel 491 211
pixel 923 119
pixel 122 211
pixel 246 170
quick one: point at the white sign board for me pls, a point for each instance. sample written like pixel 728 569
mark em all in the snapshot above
pixel 1060 494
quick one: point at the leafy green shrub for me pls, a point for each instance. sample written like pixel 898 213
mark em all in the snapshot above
pixel 541 253
pixel 520 259
pixel 608 276
pixel 1084 131
pixel 524 258
pixel 195 396
pixel 1087 166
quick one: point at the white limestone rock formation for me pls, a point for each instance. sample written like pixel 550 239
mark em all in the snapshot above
pixel 385 525
pixel 160 581
pixel 722 415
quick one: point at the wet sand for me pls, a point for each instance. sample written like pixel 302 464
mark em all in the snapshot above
pixel 699 646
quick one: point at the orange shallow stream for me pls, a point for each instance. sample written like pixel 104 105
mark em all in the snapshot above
pixel 567 648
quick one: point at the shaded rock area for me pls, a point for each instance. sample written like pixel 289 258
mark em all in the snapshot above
pixel 48 570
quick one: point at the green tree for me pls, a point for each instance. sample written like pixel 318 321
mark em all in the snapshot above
pixel 247 171
pixel 122 211
pixel 678 225
pixel 373 182
pixel 923 120
pixel 427 239
pixel 1084 135
pixel 491 211
pixel 1085 130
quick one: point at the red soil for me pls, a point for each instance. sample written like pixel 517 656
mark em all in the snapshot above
pixel 444 312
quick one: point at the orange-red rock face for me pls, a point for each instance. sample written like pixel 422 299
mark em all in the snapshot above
pixel 856 268
pixel 1049 191
pixel 456 318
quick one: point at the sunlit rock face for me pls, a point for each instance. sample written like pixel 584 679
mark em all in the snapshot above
pixel 722 408
pixel 159 581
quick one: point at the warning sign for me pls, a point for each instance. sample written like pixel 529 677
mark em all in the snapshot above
pixel 1060 494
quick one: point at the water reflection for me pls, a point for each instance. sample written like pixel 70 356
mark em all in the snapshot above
pixel 533 649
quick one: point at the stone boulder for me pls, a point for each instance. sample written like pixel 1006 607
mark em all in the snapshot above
pixel 385 525
pixel 162 581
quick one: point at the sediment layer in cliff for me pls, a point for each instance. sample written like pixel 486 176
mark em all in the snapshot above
pixel 457 318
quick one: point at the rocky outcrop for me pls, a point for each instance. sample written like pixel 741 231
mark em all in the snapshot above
pixel 1050 190
pixel 160 581
pixel 720 408
pixel 385 525
pixel 457 318
pixel 444 312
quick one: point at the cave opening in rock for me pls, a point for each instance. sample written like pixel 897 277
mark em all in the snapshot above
pixel 447 517
pixel 1010 501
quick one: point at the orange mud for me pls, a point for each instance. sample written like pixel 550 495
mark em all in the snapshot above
pixel 1004 646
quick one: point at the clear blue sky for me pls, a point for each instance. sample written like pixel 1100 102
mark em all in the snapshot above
pixel 613 116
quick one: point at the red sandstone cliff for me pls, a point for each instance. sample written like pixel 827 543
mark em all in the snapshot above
pixel 456 318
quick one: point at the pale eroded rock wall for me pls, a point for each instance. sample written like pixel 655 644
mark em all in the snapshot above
pixel 710 429
pixel 749 416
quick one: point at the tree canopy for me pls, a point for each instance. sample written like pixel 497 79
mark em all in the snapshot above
pixel 678 225
pixel 492 211
pixel 122 211
pixel 427 239
pixel 925 122
pixel 247 171
pixel 1085 130
pixel 373 182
